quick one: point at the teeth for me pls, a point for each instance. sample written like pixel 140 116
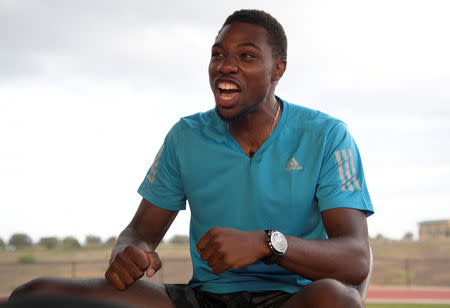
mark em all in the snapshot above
pixel 227 86
pixel 226 98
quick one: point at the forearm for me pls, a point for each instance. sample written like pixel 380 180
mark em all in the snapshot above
pixel 343 258
pixel 131 258
pixel 146 229
pixel 129 236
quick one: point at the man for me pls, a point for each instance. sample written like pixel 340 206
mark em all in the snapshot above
pixel 277 195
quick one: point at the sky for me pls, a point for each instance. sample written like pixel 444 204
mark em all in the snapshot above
pixel 89 89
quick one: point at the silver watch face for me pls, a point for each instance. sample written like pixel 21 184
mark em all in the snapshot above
pixel 278 241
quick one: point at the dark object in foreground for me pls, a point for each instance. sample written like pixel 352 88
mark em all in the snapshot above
pixel 58 301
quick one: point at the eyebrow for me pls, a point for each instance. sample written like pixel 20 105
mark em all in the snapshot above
pixel 250 45
pixel 247 44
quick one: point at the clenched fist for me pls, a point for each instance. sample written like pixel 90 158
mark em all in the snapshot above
pixel 129 265
pixel 225 248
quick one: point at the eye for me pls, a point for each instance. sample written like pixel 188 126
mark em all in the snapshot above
pixel 216 54
pixel 247 56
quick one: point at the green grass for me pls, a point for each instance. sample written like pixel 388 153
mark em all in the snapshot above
pixel 407 306
pixel 26 259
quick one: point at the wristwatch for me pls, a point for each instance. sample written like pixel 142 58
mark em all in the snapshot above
pixel 278 245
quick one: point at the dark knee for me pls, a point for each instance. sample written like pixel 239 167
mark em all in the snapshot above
pixel 326 293
pixel 333 293
pixel 26 288
pixel 42 285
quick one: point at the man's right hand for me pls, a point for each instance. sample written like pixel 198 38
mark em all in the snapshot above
pixel 129 265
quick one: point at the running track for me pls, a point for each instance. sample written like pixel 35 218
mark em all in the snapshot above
pixel 400 295
pixel 409 295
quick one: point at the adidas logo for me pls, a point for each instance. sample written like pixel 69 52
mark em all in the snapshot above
pixel 293 165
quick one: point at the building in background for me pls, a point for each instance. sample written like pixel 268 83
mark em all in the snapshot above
pixel 434 229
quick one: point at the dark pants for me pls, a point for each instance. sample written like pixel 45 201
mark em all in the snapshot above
pixel 183 296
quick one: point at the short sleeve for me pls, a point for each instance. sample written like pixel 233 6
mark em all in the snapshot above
pixel 341 180
pixel 162 185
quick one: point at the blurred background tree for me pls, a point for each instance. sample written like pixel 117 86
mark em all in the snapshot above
pixel 20 240
pixel 70 242
pixel 379 237
pixel 110 242
pixel 179 239
pixel 92 241
pixel 409 236
pixel 48 242
pixel 2 244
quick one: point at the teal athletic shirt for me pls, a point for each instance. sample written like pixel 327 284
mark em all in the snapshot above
pixel 309 164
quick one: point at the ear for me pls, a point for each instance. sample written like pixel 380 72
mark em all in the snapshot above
pixel 278 70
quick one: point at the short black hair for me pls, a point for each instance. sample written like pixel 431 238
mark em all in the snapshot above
pixel 277 37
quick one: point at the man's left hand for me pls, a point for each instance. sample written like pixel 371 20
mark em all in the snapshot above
pixel 225 248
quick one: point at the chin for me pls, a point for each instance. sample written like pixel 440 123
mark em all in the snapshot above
pixel 239 115
pixel 231 118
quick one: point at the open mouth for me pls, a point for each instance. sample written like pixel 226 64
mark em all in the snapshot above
pixel 227 87
pixel 227 92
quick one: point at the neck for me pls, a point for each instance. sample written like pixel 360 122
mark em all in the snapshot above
pixel 256 127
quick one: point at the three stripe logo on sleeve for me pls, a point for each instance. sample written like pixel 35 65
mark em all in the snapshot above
pixel 347 176
pixel 154 167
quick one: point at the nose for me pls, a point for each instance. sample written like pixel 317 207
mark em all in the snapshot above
pixel 228 65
